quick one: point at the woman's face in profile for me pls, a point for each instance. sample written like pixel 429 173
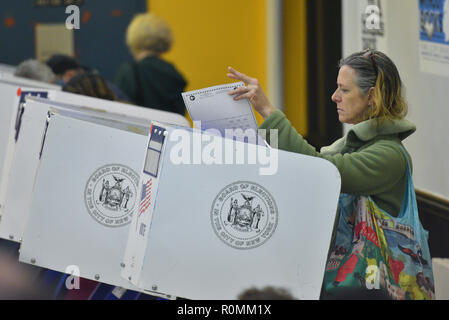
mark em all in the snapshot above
pixel 352 104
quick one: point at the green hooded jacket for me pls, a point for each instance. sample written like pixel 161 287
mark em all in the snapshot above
pixel 369 159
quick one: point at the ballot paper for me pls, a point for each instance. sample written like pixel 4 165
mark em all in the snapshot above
pixel 214 108
pixel 211 231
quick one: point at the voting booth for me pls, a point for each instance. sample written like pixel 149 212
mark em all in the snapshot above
pixel 211 230
pixel 26 140
pixel 199 231
pixel 85 194
pixel 12 95
pixel 133 198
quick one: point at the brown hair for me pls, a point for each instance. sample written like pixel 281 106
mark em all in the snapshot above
pixel 375 70
pixel 90 84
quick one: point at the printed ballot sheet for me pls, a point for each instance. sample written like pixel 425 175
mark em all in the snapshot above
pixel 213 108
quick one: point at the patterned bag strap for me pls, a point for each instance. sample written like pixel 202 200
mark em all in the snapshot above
pixel 409 203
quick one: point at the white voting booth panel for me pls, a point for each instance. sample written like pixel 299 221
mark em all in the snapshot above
pixel 26 156
pixel 85 194
pixel 23 152
pixel 212 231
pixel 7 98
pixel 121 108
pixel 12 94
pixel 12 91
pixel 8 69
pixel 6 77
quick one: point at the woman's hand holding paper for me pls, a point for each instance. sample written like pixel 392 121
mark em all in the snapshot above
pixel 252 91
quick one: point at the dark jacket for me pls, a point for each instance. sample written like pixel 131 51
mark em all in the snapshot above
pixel 153 83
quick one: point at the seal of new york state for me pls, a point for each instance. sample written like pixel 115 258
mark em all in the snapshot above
pixel 244 215
pixel 110 195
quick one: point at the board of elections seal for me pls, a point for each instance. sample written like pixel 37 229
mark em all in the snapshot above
pixel 111 195
pixel 244 215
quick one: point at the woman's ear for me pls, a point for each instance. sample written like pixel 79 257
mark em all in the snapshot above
pixel 371 96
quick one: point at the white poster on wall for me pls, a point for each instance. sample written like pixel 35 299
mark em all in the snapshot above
pixel 373 27
pixel 434 36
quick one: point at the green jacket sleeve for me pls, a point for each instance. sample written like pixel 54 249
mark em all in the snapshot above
pixel 369 171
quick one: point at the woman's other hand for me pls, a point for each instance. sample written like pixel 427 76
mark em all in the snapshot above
pixel 252 91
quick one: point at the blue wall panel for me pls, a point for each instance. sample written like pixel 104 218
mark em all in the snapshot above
pixel 99 43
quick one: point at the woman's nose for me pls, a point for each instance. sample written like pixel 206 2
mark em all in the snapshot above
pixel 335 97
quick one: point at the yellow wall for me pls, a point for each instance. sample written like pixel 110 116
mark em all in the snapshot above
pixel 295 63
pixel 212 35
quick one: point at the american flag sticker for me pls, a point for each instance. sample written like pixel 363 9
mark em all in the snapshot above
pixel 146 196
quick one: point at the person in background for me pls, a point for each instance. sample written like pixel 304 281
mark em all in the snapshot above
pixel 19 281
pixel 35 70
pixel 90 84
pixel 266 293
pixel 66 68
pixel 150 81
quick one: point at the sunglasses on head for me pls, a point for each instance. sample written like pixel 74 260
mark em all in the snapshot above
pixel 369 54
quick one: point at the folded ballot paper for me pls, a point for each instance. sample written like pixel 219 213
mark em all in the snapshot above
pixel 85 193
pixel 211 228
pixel 26 139
pixel 212 108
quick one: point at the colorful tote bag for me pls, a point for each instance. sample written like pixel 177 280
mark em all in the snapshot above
pixel 377 255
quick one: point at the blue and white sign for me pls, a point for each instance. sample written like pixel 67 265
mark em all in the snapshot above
pixel 434 36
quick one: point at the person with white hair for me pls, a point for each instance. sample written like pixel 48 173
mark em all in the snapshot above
pixel 35 70
pixel 150 81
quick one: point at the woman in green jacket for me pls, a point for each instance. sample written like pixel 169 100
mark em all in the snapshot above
pixel 369 157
